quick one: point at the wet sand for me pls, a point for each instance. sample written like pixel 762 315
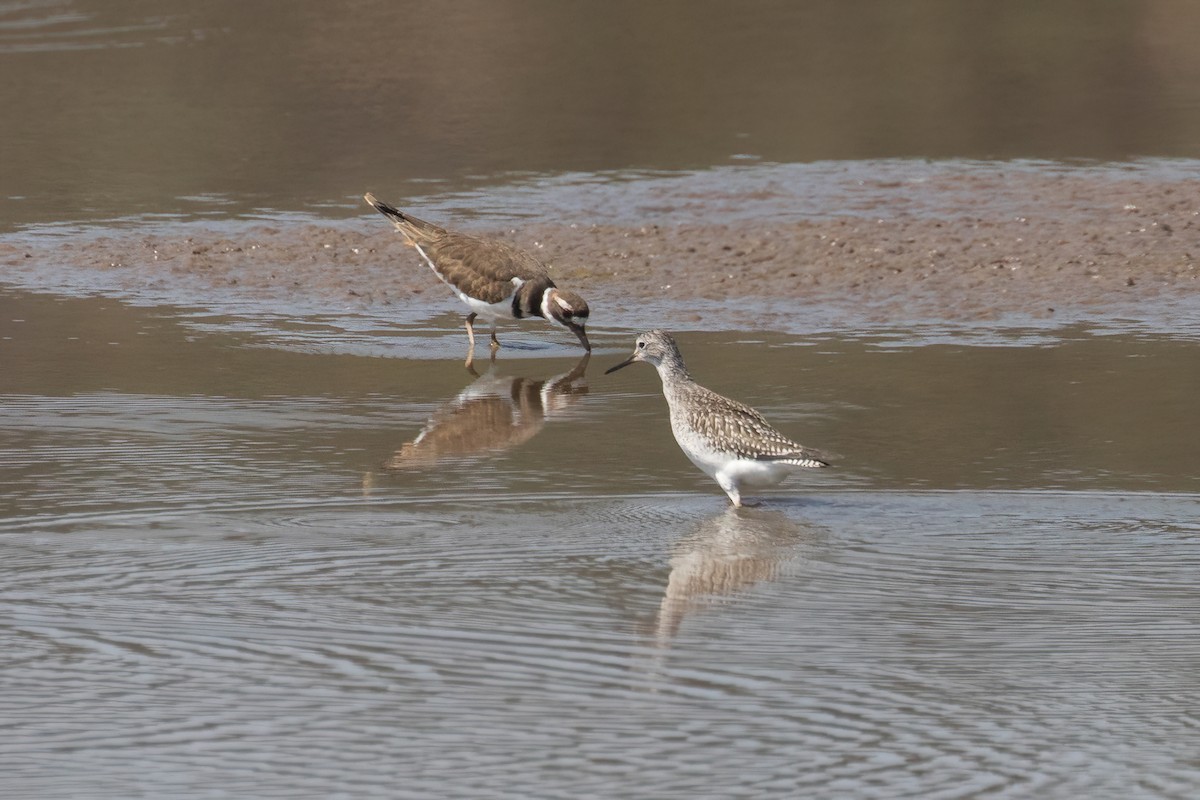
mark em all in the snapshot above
pixel 998 243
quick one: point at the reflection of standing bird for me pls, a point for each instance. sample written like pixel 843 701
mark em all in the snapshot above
pixel 723 556
pixel 732 443
pixel 491 415
pixel 495 280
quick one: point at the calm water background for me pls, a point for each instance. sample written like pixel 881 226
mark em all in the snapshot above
pixel 230 568
pixel 140 107
pixel 214 582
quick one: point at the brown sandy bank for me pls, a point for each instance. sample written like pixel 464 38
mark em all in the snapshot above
pixel 1020 243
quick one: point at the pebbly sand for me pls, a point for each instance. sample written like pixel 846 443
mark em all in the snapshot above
pixel 1000 243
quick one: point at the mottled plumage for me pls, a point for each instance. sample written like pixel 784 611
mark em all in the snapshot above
pixel 494 279
pixel 732 443
pixel 732 426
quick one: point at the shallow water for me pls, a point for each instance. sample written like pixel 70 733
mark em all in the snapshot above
pixel 229 569
pixel 134 108
pixel 287 545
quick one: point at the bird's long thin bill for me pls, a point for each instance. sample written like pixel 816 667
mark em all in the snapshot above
pixel 583 340
pixel 623 364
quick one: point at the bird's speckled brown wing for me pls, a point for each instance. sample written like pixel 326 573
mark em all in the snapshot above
pixel 731 426
pixel 482 268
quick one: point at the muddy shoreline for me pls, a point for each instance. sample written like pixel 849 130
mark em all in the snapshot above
pixel 1083 244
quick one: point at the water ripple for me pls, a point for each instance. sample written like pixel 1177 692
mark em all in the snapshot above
pixel 578 641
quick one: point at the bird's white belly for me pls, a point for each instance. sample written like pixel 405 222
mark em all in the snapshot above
pixel 755 474
pixel 489 311
pixel 724 467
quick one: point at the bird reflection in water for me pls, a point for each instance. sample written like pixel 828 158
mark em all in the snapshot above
pixel 724 556
pixel 493 414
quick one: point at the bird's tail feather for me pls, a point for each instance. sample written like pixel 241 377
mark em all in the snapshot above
pixel 406 223
pixel 797 461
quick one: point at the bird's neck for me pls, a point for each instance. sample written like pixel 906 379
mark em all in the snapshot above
pixel 527 301
pixel 672 370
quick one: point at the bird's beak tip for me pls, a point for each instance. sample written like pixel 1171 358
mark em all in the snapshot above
pixel 581 335
pixel 616 367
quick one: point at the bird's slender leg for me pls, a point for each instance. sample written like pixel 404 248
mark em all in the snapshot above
pixel 470 365
pixel 471 329
pixel 730 488
pixel 470 362
pixel 495 341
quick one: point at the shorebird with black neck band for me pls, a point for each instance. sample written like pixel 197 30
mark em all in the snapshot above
pixel 495 280
pixel 730 442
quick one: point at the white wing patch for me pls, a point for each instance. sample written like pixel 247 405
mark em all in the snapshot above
pixel 428 260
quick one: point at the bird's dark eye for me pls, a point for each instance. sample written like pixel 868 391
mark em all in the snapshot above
pixel 641 345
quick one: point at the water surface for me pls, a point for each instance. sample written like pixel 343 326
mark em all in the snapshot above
pixel 230 569
pixel 129 107
pixel 290 547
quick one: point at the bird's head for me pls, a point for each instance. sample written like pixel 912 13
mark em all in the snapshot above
pixel 569 310
pixel 653 347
